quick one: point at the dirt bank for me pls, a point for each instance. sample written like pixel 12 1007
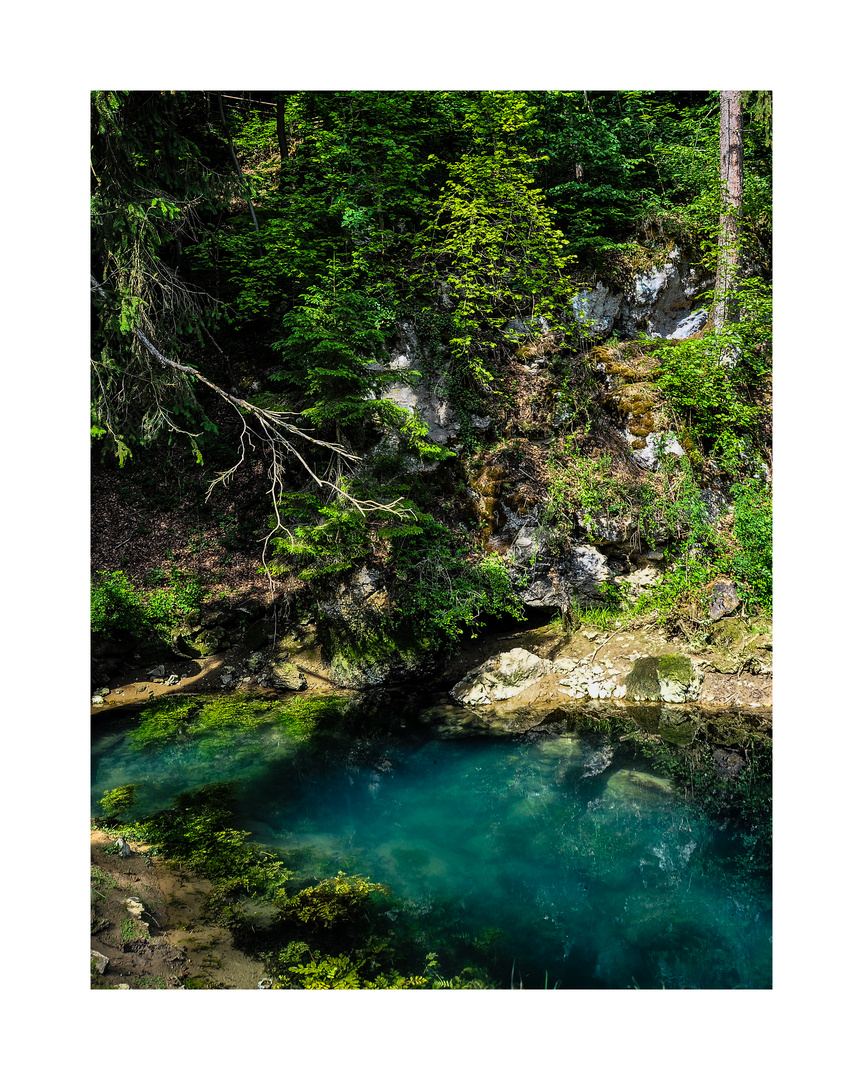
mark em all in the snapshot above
pixel 145 920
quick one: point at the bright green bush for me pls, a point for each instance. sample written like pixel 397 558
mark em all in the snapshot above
pixel 117 606
pixel 753 529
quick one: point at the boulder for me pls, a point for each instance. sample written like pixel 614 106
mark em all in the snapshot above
pixel 286 676
pixel 98 961
pixel 501 677
pixel 669 678
pixel 723 600
pixel 663 301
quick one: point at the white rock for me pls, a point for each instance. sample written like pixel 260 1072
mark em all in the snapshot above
pixel 102 961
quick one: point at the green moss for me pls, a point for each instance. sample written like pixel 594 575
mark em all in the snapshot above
pixel 676 728
pixel 675 667
pixel 643 681
pixel 179 720
pixel 376 655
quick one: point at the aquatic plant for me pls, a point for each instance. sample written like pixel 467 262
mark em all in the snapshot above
pixel 179 719
pixel 117 800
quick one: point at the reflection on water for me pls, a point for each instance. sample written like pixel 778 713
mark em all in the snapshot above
pixel 569 858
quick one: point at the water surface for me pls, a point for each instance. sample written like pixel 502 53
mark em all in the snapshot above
pixel 562 860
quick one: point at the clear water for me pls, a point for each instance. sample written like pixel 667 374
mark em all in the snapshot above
pixel 563 860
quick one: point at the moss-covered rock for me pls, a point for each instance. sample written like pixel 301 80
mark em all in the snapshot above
pixel 669 678
pixel 377 656
pixel 676 677
pixel 287 676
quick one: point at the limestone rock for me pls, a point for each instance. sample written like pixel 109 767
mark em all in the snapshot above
pixel 287 676
pixel 663 301
pixel 99 961
pixel 501 677
pixel 656 444
pixel 596 310
pixel 724 600
pixel 669 678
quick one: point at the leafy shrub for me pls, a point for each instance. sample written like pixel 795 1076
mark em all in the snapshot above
pixel 117 800
pixel 436 583
pixel 752 564
pixel 716 398
pixel 336 900
pixel 118 607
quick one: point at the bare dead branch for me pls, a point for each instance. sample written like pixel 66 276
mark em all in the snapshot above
pixel 277 435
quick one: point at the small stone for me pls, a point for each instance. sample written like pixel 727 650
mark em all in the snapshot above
pixel 123 986
pixel 105 691
pixel 96 699
pixel 172 680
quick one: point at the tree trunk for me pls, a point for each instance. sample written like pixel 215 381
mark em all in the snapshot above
pixel 280 129
pixel 731 182
pixel 260 250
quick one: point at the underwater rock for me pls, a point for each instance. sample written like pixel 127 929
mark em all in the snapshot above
pixel 597 761
pixel 643 788
pixel 728 763
pixel 501 677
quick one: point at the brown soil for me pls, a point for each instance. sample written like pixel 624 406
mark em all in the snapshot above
pixel 169 946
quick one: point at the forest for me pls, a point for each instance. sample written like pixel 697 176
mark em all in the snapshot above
pixel 379 382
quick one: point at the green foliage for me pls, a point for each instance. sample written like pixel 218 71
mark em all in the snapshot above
pixel 720 401
pixel 437 585
pixel 752 564
pixel 588 493
pixel 333 334
pixel 337 900
pixel 117 800
pixel 665 507
pixel 492 237
pixel 178 720
pixel 118 607
pixel 197 830
pixel 153 189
